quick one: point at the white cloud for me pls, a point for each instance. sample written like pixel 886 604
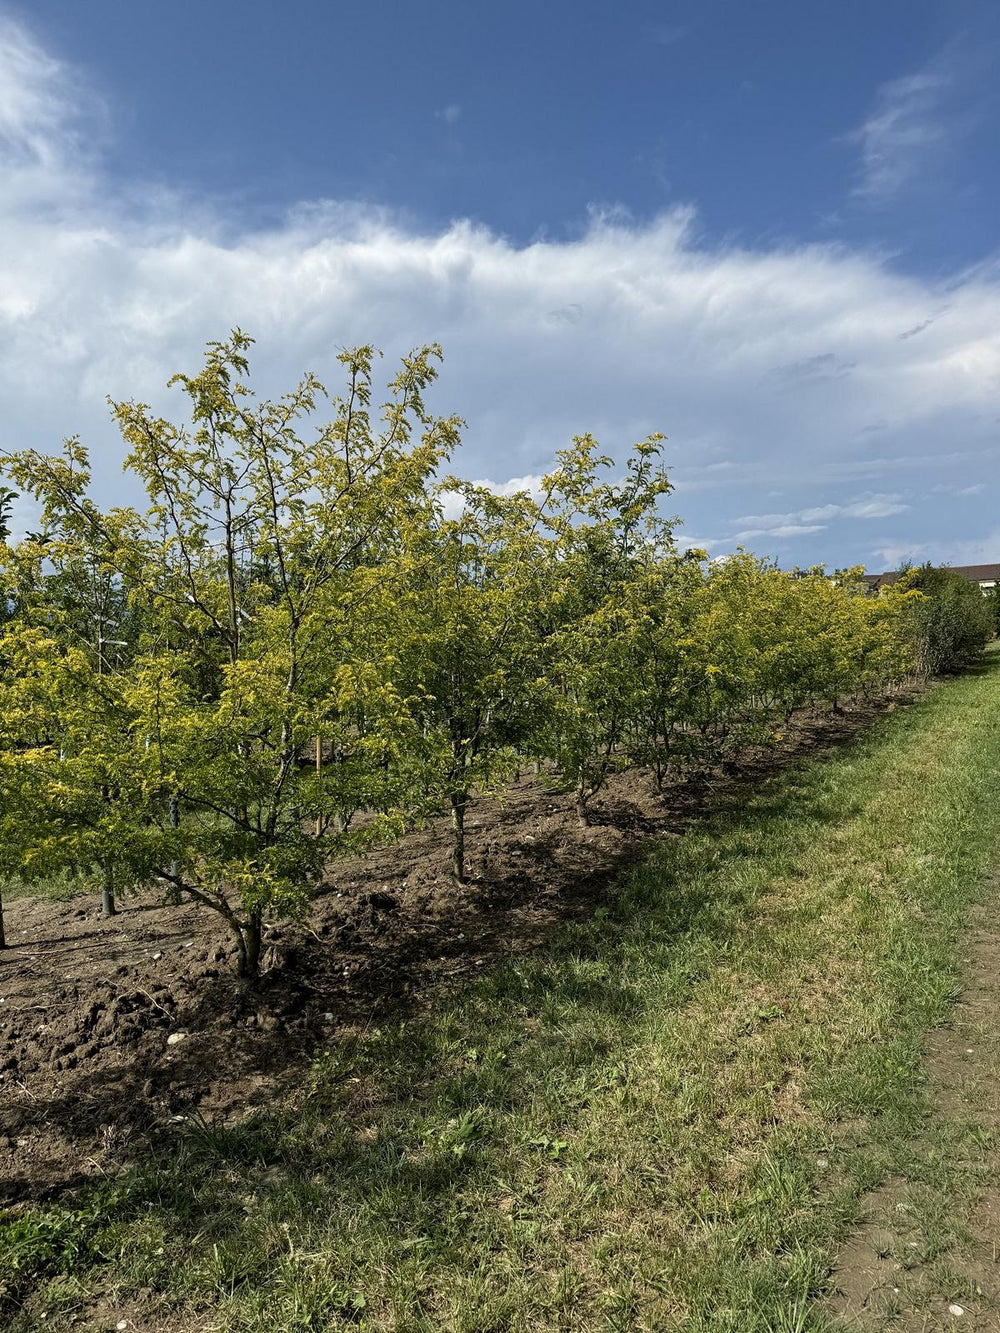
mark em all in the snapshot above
pixel 872 506
pixel 896 138
pixel 531 485
pixel 779 530
pixel 619 330
pixel 969 551
pixel 37 109
pixel 943 488
pixel 52 123
pixel 817 518
pixel 686 542
pixel 452 501
pixel 449 114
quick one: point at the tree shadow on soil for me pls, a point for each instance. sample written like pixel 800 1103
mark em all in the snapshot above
pixel 381 956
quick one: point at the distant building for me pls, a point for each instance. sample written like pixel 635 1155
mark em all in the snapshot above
pixel 987 576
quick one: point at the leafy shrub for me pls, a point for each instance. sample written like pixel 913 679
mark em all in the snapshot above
pixel 954 620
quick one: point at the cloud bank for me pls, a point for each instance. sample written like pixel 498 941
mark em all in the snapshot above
pixel 791 373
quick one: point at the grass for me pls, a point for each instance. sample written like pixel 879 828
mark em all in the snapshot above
pixel 663 1121
pixel 62 887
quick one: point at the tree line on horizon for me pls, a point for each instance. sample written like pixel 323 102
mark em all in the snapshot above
pixel 312 639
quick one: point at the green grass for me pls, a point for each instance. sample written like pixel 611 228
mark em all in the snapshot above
pixel 663 1121
pixel 61 888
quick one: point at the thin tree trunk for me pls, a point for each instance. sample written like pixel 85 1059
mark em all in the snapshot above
pixel 3 933
pixel 107 882
pixel 319 774
pixel 458 804
pixel 582 813
pixel 174 818
pixel 248 941
pixel 108 907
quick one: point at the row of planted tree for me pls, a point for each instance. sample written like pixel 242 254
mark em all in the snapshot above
pixel 313 638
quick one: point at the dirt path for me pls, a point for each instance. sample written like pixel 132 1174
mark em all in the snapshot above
pixel 927 1256
pixel 109 1029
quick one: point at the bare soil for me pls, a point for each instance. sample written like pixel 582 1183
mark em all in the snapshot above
pixel 110 1028
pixel 917 1263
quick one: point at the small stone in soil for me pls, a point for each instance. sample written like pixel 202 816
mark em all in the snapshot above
pixel 956 1310
pixel 175 1037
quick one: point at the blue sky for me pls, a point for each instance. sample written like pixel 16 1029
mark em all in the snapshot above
pixel 769 230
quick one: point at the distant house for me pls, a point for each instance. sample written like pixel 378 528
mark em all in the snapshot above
pixel 987 576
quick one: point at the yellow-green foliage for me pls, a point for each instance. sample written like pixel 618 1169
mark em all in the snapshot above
pixel 166 672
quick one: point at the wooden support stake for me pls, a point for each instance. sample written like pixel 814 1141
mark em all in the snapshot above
pixel 319 773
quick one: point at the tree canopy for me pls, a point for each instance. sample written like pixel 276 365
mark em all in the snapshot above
pixel 311 637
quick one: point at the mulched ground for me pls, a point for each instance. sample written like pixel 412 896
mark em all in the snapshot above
pixel 109 1028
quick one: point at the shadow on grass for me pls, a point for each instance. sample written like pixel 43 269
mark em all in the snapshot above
pixel 393 1046
pixel 393 975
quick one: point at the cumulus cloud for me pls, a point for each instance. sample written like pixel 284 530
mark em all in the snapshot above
pixel 620 329
pixel 452 501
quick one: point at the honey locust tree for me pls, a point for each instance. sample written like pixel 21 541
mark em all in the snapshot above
pixel 64 584
pixel 470 590
pixel 744 651
pixel 608 550
pixel 28 691
pixel 7 498
pixel 69 788
pixel 659 736
pixel 888 638
pixel 263 571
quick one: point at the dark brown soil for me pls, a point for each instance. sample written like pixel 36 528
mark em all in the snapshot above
pixel 108 1028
